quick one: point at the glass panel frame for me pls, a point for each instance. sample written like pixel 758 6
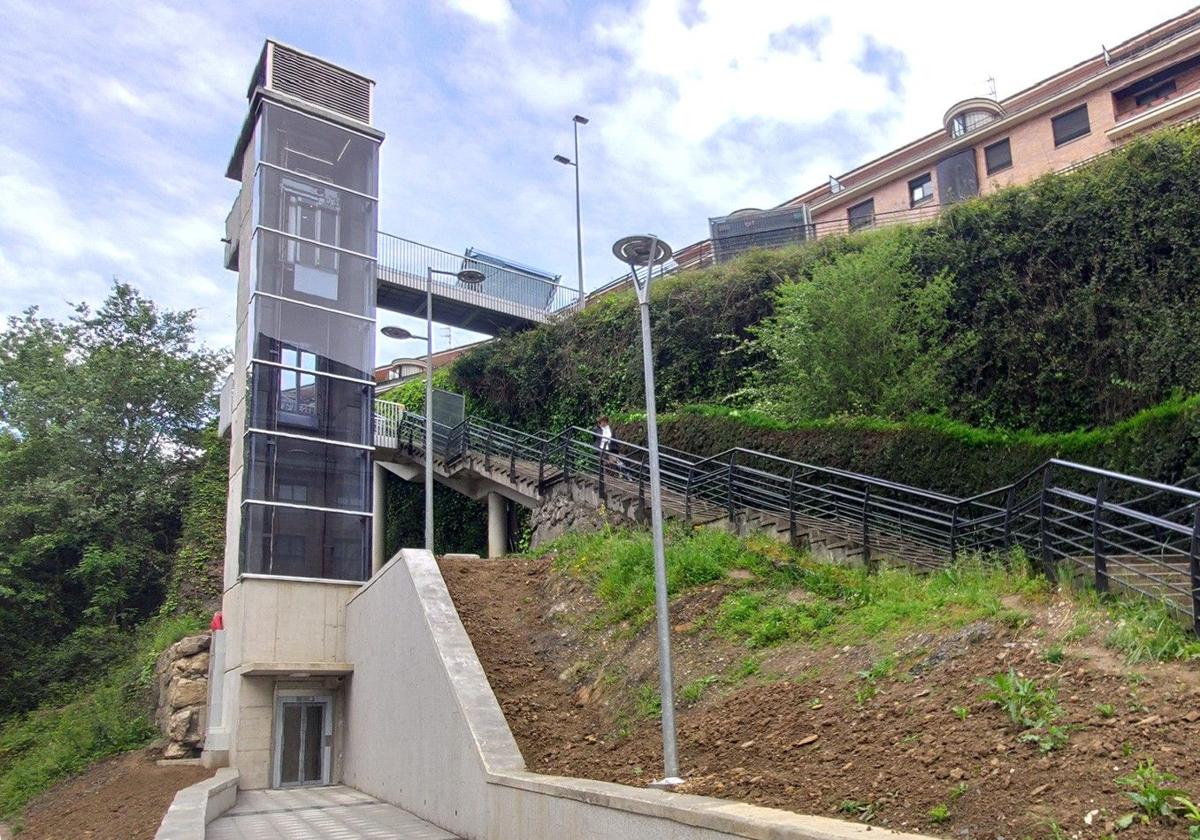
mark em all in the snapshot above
pixel 342 344
pixel 327 545
pixel 311 404
pixel 307 472
pixel 319 148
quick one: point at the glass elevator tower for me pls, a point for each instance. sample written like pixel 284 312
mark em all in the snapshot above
pixel 302 237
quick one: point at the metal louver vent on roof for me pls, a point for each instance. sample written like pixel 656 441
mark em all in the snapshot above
pixel 322 84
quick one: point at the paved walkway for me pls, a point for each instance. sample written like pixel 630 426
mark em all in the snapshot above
pixel 335 812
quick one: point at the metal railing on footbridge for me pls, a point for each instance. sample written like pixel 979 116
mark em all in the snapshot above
pixel 1119 531
pixel 506 287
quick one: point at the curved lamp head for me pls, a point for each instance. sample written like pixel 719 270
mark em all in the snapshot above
pixel 635 251
pixel 470 277
pixel 398 333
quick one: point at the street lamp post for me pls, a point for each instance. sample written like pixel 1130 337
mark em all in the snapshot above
pixel 577 121
pixel 646 251
pixel 468 277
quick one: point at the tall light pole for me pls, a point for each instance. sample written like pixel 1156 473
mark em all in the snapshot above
pixel 468 277
pixel 645 252
pixel 577 121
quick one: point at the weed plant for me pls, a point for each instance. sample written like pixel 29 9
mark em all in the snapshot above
pixel 1151 790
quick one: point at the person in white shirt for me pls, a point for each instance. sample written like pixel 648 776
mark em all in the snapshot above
pixel 604 440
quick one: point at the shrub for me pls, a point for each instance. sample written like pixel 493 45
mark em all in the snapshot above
pixel 862 335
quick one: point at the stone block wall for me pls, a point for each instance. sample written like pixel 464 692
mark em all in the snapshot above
pixel 181 695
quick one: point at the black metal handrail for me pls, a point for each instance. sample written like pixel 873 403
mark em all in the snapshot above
pixel 1122 531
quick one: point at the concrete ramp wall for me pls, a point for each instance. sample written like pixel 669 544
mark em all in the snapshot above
pixel 426 733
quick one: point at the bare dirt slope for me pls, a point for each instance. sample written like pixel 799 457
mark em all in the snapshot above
pixel 801 728
pixel 121 798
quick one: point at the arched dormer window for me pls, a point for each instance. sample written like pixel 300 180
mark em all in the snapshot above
pixel 971 114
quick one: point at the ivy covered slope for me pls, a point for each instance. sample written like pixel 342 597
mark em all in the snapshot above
pixel 1056 318
pixel 570 371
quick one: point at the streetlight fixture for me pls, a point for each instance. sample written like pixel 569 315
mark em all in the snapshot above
pixel 644 252
pixel 468 277
pixel 577 121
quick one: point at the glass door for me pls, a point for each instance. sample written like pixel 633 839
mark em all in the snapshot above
pixel 303 740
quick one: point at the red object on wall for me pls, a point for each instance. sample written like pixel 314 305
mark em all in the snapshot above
pixel 218 622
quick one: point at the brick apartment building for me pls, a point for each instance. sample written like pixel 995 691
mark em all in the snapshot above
pixel 1148 82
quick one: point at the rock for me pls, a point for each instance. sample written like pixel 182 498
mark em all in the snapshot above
pixel 175 750
pixel 192 665
pixel 1192 716
pixel 806 740
pixel 187 692
pixel 191 645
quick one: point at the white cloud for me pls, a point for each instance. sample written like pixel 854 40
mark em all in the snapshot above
pixel 493 12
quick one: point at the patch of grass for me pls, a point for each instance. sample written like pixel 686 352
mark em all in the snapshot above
pixel 104 718
pixel 1079 630
pixel 957 792
pixel 619 564
pixel 1147 631
pixel 788 596
pixel 939 814
pixel 1150 789
pixel 864 811
pixel 1053 655
pixel 761 619
pixel 745 669
pixel 694 690
pixel 1106 710
pixel 648 703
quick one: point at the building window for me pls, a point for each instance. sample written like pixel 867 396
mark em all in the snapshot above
pixel 1147 92
pixel 967 121
pixel 1155 94
pixel 862 215
pixel 920 189
pixel 998 156
pixel 1072 124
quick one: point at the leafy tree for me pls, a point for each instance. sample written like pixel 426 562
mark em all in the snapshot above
pixel 862 335
pixel 100 417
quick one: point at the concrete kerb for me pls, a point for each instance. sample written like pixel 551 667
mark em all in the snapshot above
pixel 521 800
pixel 197 805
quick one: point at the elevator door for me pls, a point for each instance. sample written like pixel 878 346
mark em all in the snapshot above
pixel 303 740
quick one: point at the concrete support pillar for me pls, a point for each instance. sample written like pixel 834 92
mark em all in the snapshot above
pixel 378 506
pixel 497 525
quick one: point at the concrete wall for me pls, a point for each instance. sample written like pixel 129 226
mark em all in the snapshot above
pixel 293 623
pixel 426 733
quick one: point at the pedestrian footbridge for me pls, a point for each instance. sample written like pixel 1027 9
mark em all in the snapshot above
pixel 1118 531
pixel 511 297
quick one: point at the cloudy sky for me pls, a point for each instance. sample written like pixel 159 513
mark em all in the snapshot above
pixel 117 119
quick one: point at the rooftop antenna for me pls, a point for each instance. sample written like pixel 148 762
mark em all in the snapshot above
pixel 991 81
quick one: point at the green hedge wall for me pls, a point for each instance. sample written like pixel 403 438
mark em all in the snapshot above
pixel 1161 443
pixel 1076 296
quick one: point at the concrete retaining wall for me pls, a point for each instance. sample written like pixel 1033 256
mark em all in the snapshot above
pixel 427 734
pixel 197 805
